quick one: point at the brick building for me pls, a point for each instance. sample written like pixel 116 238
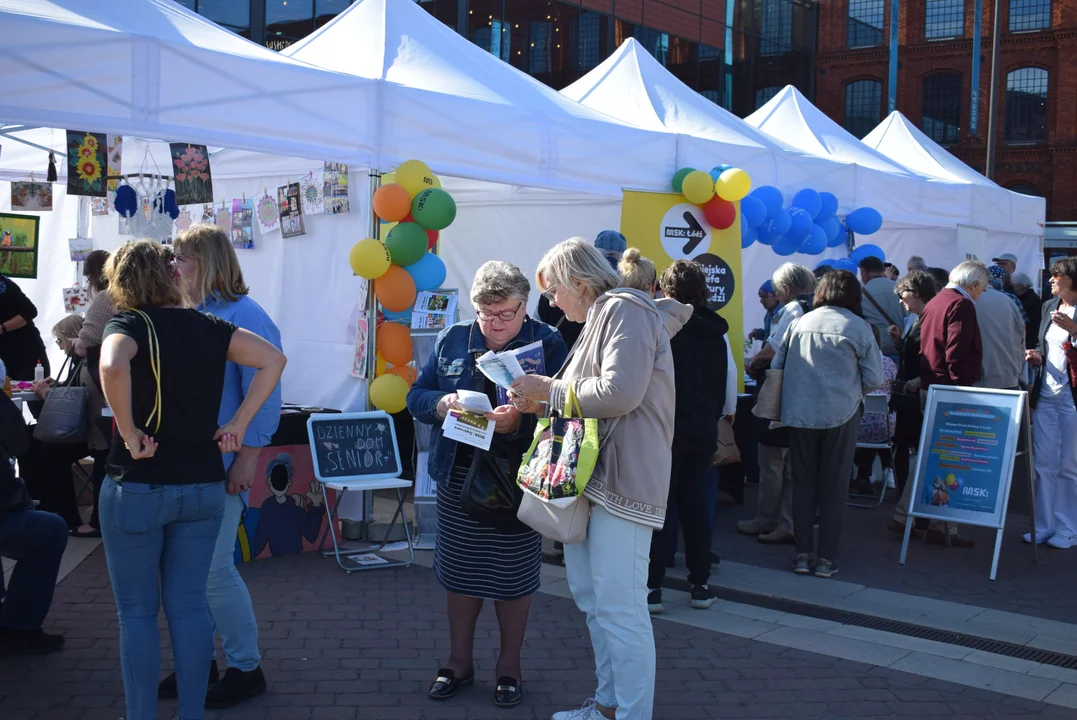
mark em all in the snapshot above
pixel 1037 102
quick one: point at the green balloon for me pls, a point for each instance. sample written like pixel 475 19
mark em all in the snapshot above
pixel 678 179
pixel 407 243
pixel 434 209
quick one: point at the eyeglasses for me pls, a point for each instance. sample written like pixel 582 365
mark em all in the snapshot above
pixel 548 292
pixel 503 316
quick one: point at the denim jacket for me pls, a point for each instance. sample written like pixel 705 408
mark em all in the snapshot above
pixel 452 367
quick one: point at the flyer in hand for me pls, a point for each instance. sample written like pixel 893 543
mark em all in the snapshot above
pixel 504 367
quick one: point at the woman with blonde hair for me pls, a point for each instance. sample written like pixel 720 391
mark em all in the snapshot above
pixel 637 272
pixel 163 371
pixel 621 372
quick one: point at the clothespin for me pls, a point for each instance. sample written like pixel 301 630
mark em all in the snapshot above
pixel 32 176
pixel 244 198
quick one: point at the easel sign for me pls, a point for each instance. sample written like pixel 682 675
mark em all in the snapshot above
pixel 968 449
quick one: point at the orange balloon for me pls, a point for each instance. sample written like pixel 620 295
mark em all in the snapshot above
pixel 393 342
pixel 392 202
pixel 405 371
pixel 395 289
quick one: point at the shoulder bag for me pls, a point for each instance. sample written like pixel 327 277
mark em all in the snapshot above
pixel 490 494
pixel 64 417
pixel 878 307
pixel 727 453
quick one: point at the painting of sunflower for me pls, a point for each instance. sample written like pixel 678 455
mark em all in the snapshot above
pixel 87 164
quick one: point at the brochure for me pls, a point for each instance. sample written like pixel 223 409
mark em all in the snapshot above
pixel 504 367
pixel 433 310
pixel 470 429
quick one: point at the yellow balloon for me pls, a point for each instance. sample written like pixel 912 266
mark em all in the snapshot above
pixel 733 185
pixel 369 259
pixel 437 182
pixel 380 366
pixel 389 393
pixel 415 176
pixel 698 187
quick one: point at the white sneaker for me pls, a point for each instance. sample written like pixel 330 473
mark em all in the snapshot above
pixel 888 475
pixel 588 711
pixel 1062 542
pixel 1042 536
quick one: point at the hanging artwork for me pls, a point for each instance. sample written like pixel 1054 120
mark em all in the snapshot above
pixel 209 215
pixel 290 210
pixel 223 218
pixel 80 248
pixel 101 206
pixel 359 358
pixel 87 163
pixel 312 193
pixel 31 196
pixel 115 159
pixel 75 299
pixel 267 213
pixel 335 189
pixel 18 245
pixel 190 163
pixel 184 220
pixel 243 224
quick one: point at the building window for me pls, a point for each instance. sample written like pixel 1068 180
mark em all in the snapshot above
pixel 776 27
pixel 592 34
pixel 1028 15
pixel 1024 189
pixel 863 106
pixel 763 95
pixel 654 42
pixel 944 19
pixel 1026 105
pixel 941 104
pixel 288 21
pixel 865 26
pixel 229 15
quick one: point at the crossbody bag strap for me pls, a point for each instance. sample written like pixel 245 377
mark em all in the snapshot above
pixel 154 351
pixel 878 306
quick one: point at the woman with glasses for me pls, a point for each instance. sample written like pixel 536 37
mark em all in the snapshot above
pixel 474 559
pixel 21 347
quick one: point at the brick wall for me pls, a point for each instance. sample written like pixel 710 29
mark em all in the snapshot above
pixel 1050 167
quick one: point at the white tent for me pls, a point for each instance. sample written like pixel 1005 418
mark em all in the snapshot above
pixel 151 68
pixel 469 115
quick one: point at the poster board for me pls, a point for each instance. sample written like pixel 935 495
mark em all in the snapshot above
pixel 968 449
pixel 666 227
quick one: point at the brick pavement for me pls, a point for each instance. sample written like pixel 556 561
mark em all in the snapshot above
pixel 1045 589
pixel 366 646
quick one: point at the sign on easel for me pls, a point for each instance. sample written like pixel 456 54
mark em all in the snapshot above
pixel 968 450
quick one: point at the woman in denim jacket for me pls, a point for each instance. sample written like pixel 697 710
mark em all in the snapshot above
pixel 475 561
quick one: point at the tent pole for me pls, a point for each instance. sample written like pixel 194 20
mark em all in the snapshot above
pixel 974 101
pixel 371 301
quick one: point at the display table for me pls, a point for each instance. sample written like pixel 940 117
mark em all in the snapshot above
pixel 285 508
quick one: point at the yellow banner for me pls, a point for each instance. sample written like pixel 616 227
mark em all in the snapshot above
pixel 666 227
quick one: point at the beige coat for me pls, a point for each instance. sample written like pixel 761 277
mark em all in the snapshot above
pixel 622 372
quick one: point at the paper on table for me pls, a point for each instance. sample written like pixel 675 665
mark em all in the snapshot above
pixel 369 559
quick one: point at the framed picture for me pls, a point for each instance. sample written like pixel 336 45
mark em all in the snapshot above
pixel 87 164
pixel 18 245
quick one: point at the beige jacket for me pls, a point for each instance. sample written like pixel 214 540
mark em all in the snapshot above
pixel 622 372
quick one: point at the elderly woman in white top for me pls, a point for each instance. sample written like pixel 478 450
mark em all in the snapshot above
pixel 823 353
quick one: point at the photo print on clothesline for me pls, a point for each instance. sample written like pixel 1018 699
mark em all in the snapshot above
pixel 31 196
pixel 335 189
pixel 80 248
pixel 290 210
pixel 242 231
pixel 190 165
pixel 87 164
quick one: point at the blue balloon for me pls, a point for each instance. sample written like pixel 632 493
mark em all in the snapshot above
pixel 403 317
pixel 864 221
pixel 786 245
pixel 748 235
pixel 752 212
pixel 776 226
pixel 800 223
pixel 840 237
pixel 826 263
pixel 808 200
pixel 863 251
pixel 428 273
pixel 845 264
pixel 770 196
pixel 815 243
pixel 717 170
pixel 828 206
pixel 830 227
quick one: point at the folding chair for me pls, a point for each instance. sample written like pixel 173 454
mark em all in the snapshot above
pixel 876 403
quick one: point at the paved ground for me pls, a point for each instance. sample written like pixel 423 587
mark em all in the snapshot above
pixel 1045 589
pixel 366 646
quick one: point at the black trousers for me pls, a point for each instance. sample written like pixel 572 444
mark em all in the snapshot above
pixel 688 491
pixel 822 462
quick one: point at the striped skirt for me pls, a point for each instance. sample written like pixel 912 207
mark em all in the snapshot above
pixel 474 559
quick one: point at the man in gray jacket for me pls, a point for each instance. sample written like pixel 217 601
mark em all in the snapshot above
pixel 1002 331
pixel 881 306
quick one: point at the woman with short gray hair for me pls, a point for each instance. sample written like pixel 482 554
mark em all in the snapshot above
pixel 479 556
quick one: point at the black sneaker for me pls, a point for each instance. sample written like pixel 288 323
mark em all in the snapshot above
pixel 654 602
pixel 28 642
pixel 701 597
pixel 235 687
pixel 802 565
pixel 168 690
pixel 824 568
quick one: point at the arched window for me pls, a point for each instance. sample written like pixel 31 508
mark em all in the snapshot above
pixel 865 24
pixel 1028 15
pixel 763 95
pixel 944 19
pixel 863 106
pixel 1026 105
pixel 941 103
pixel 1024 189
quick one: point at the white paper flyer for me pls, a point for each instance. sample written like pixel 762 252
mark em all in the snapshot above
pixel 469 429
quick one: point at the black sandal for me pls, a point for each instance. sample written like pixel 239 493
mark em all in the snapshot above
pixel 508 692
pixel 446 685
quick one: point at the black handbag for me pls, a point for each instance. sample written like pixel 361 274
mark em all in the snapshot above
pixel 65 417
pixel 490 494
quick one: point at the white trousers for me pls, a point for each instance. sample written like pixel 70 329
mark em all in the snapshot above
pixel 1054 447
pixel 607 574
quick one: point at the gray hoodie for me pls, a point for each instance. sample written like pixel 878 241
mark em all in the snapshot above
pixel 621 370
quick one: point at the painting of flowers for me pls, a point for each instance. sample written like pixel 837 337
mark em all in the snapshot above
pixel 18 245
pixel 190 163
pixel 87 164
pixel 31 196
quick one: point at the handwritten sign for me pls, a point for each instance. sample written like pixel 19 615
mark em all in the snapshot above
pixel 354 446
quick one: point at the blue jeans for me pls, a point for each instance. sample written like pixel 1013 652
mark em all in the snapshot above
pixel 35 541
pixel 159 543
pixel 228 597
